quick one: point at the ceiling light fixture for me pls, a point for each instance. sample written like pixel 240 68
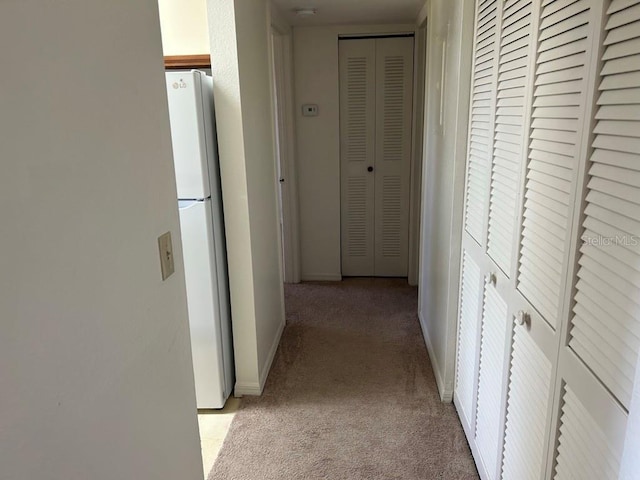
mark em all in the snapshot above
pixel 305 12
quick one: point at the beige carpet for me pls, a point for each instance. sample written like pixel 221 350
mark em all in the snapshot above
pixel 351 395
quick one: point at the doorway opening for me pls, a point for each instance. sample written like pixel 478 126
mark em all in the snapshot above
pixel 282 99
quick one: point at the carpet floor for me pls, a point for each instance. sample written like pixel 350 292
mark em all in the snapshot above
pixel 351 395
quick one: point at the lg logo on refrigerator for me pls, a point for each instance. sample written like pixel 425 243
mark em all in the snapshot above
pixel 180 84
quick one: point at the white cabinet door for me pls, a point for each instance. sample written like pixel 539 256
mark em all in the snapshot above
pixel 376 99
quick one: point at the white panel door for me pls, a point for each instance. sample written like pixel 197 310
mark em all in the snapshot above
pixel 392 168
pixel 357 154
pixel 376 98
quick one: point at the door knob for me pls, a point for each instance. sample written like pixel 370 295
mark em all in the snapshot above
pixel 369 169
pixel 523 318
pixel 491 279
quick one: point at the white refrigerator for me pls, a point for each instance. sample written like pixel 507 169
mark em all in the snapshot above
pixel 190 96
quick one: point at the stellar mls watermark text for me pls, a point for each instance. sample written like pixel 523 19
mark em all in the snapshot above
pixel 617 240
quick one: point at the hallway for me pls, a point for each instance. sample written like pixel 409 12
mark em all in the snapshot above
pixel 351 394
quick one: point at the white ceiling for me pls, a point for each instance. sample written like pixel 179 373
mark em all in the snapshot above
pixel 349 12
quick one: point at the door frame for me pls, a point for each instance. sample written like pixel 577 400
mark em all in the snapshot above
pixel 281 60
pixel 420 64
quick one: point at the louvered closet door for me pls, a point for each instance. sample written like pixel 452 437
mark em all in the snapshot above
pixel 533 345
pixel 469 326
pixel 492 377
pixel 394 96
pixel 560 95
pixel 590 432
pixel 561 231
pixel 605 327
pixel 513 91
pixel 517 360
pixel 357 147
pixel 481 122
pixel 597 366
pixel 529 413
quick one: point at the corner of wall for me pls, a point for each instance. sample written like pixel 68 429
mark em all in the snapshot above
pixel 445 388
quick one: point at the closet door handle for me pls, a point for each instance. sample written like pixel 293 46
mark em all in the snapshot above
pixel 523 318
pixel 369 169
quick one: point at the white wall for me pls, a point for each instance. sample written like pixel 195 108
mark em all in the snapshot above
pixel 443 181
pixel 184 27
pixel 95 366
pixel 318 144
pixel 239 43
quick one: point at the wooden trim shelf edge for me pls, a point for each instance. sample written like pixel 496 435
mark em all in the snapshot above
pixel 174 62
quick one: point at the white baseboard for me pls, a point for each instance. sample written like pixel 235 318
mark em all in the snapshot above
pixel 246 388
pixel 256 388
pixel 446 394
pixel 321 277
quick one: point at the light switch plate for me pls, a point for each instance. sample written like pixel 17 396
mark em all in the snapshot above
pixel 166 255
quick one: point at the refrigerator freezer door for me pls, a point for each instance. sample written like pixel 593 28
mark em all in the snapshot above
pixel 203 303
pixel 187 109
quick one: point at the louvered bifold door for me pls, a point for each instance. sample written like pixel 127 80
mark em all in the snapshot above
pixel 392 167
pixel 469 324
pixel 590 434
pixel 510 130
pixel 492 385
pixel 357 147
pixel 597 366
pixel 530 396
pixel 605 328
pixel 483 320
pixel 481 120
pixel 559 100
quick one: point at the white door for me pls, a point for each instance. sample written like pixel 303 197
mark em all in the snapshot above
pixel 376 92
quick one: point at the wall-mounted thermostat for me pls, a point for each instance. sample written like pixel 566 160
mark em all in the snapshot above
pixel 310 110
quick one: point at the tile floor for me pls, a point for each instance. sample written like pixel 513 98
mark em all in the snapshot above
pixel 214 425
